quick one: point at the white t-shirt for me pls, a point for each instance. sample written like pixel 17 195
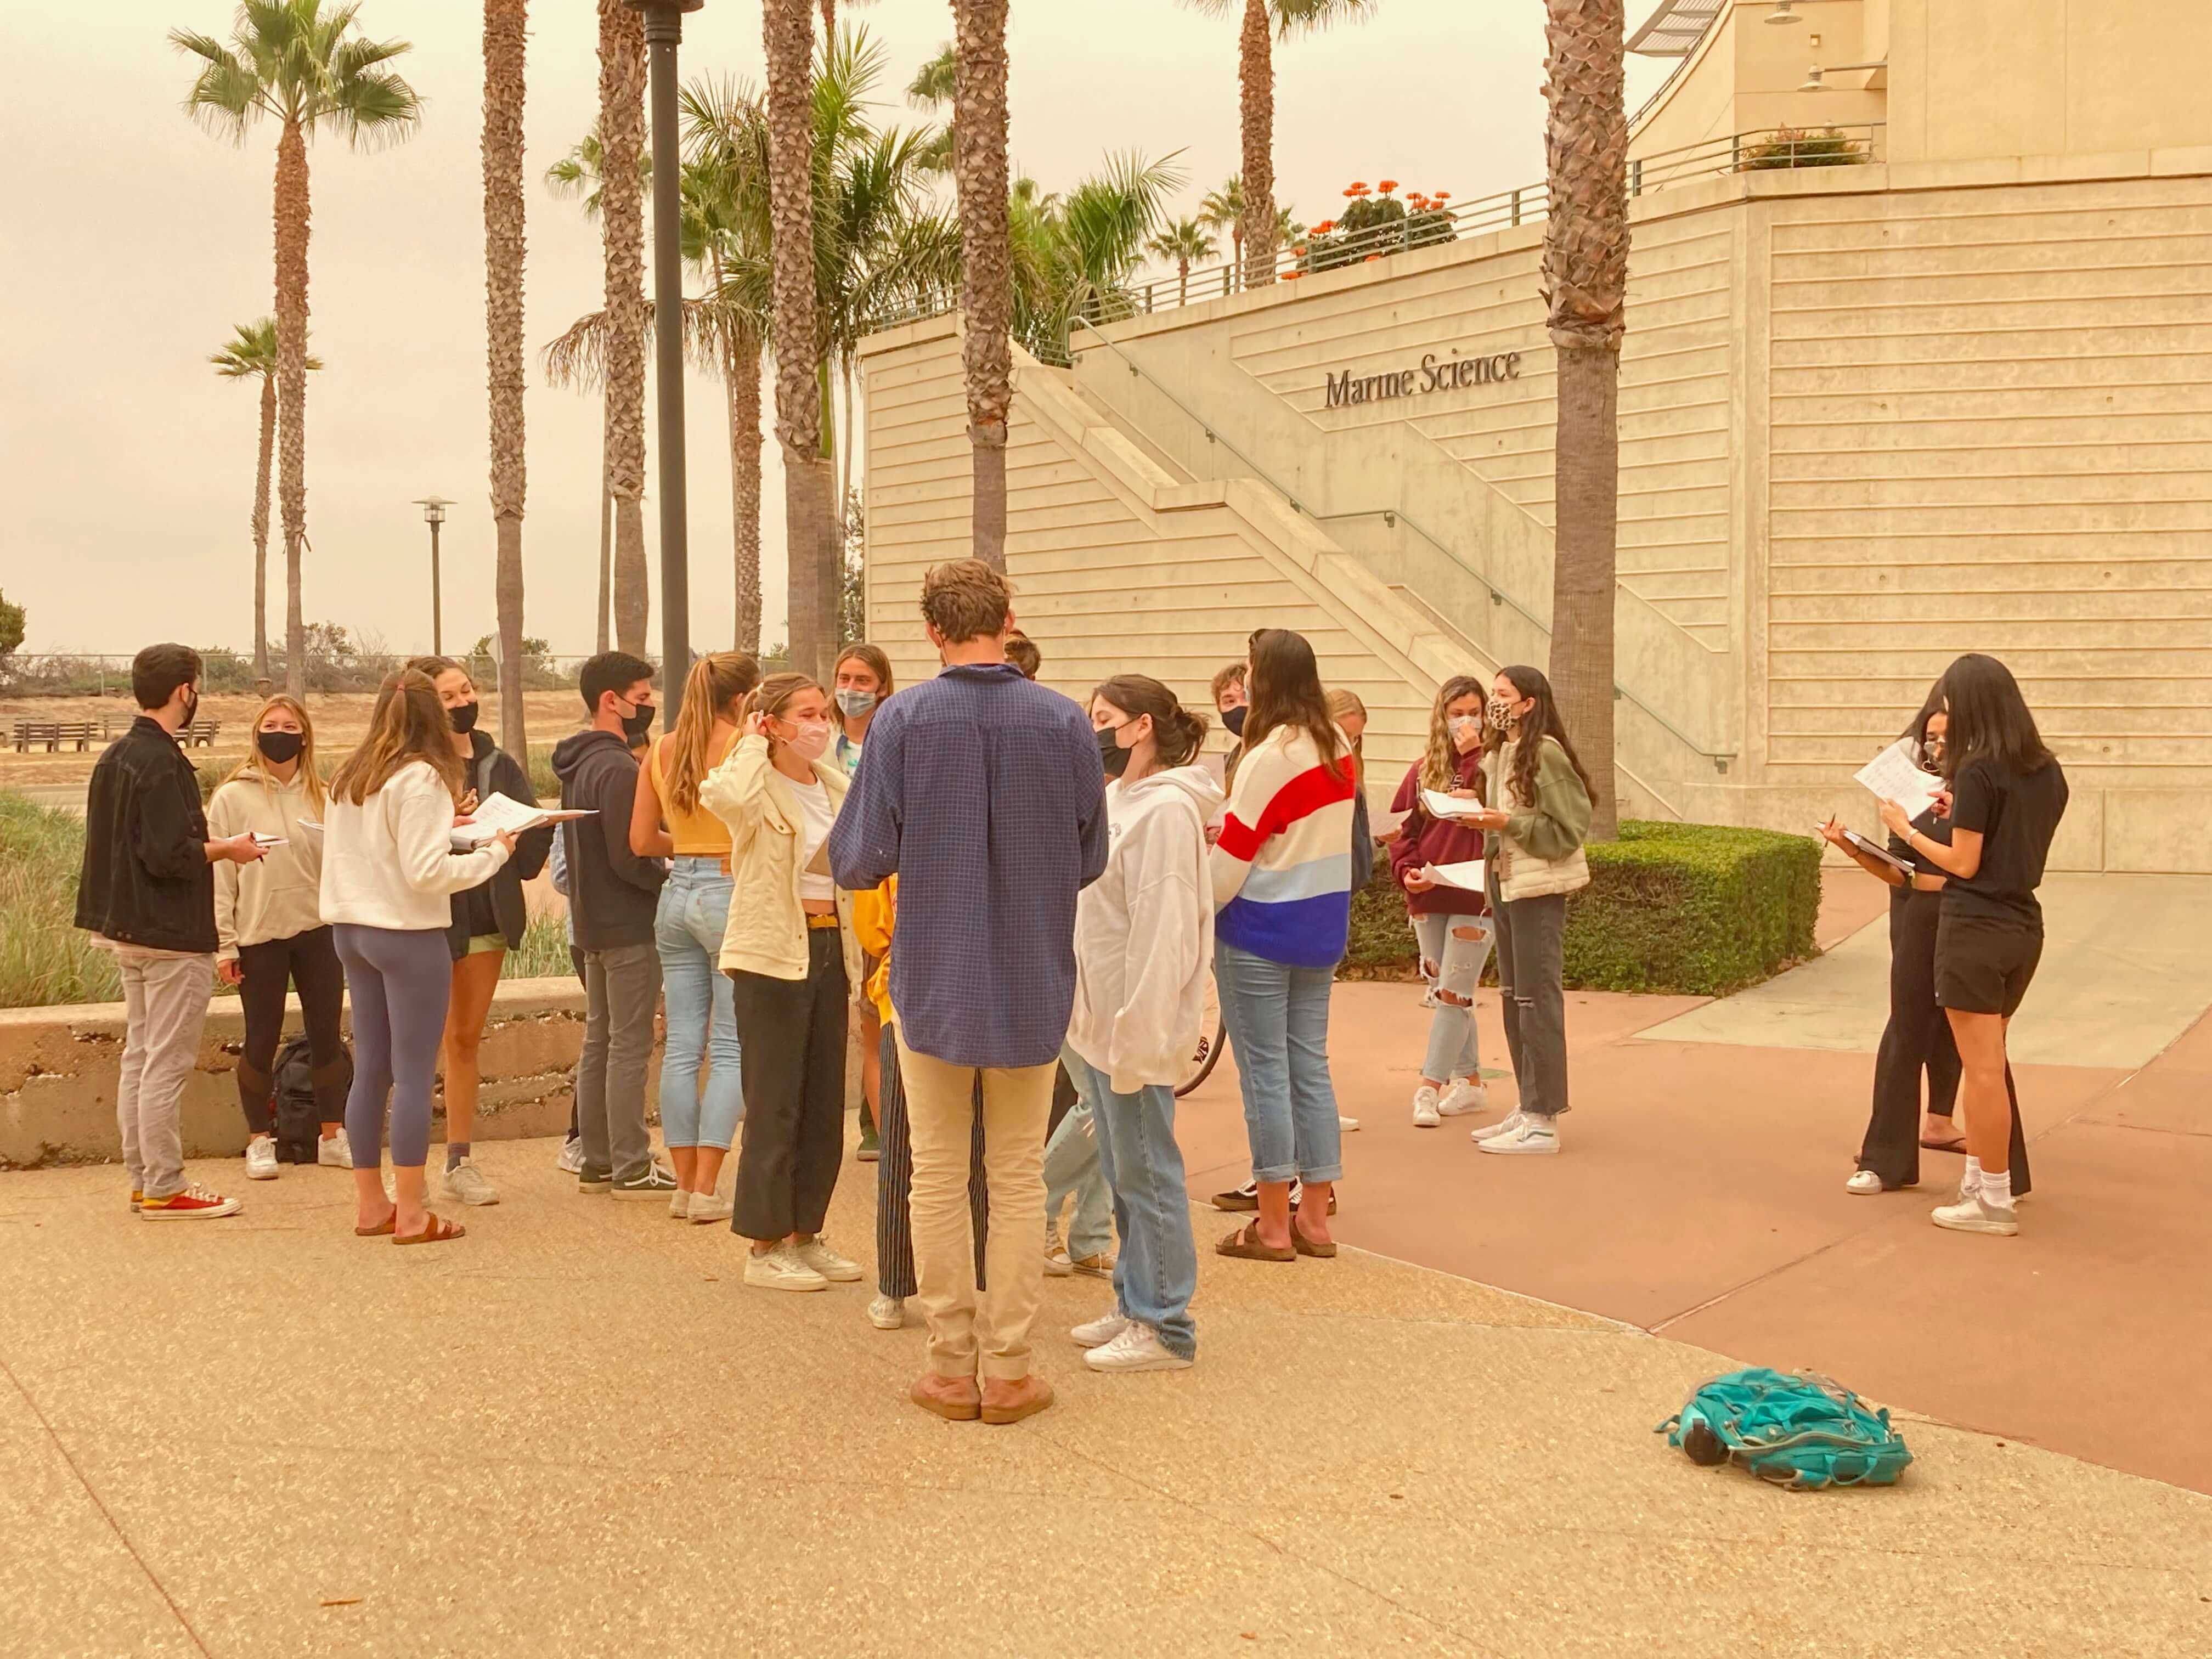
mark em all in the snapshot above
pixel 815 811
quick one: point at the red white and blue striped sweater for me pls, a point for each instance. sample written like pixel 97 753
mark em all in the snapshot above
pixel 1282 870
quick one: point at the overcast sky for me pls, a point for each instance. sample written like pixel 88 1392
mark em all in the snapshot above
pixel 136 240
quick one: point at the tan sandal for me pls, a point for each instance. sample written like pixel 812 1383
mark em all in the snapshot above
pixel 1245 1245
pixel 438 1232
pixel 381 1230
pixel 1305 1246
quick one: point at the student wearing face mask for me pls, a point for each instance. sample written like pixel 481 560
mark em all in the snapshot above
pixel 489 921
pixel 1231 701
pixel 860 683
pixel 1537 813
pixel 268 917
pixel 1452 925
pixel 615 901
pixel 792 963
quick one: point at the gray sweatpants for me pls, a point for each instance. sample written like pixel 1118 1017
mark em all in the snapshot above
pixel 164 1000
pixel 1531 944
pixel 622 986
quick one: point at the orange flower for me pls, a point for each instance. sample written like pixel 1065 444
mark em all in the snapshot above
pixel 1324 227
pixel 1300 251
pixel 1444 195
pixel 1355 184
pixel 1370 259
pixel 1290 275
pixel 1389 184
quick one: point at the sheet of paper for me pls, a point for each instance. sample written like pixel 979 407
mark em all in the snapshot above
pixel 1893 775
pixel 1467 876
pixel 1438 804
pixel 264 842
pixel 497 812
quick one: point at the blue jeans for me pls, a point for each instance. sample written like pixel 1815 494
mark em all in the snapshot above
pixel 1452 950
pixel 1157 1272
pixel 687 928
pixel 1278 1021
pixel 1073 1164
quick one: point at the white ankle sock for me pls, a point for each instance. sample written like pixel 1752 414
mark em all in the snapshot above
pixel 1971 1180
pixel 1997 1189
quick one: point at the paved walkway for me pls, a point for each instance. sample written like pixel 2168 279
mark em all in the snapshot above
pixel 574 1433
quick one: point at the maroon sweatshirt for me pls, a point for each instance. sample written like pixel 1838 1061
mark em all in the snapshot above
pixel 1422 839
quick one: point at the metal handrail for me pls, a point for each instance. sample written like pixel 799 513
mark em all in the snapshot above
pixel 1392 516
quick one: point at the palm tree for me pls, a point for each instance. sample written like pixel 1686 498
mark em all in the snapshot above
pixel 932 88
pixel 622 217
pixel 1585 277
pixel 987 286
pixel 830 16
pixel 1224 210
pixel 1185 242
pixel 1256 83
pixel 250 356
pixel 1074 255
pixel 506 31
pixel 577 175
pixel 303 66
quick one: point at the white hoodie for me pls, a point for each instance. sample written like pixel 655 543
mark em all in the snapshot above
pixel 1144 931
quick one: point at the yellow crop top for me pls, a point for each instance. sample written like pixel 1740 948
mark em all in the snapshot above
pixel 697 834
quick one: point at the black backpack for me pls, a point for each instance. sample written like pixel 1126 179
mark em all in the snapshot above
pixel 299 1119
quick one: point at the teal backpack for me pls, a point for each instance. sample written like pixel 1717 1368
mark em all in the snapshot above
pixel 1803 1431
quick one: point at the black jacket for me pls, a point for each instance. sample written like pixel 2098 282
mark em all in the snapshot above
pixel 146 878
pixel 499 901
pixel 612 892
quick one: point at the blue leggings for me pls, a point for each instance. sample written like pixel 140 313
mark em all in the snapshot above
pixel 400 983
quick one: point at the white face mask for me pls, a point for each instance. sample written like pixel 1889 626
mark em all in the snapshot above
pixel 809 739
pixel 1464 728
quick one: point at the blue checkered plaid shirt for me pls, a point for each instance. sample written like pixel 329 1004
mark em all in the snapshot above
pixel 984 795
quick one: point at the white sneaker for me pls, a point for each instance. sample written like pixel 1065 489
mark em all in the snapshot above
pixel 334 1151
pixel 1056 1260
pixel 1425 1114
pixel 466 1184
pixel 1100 1331
pixel 1506 1125
pixel 887 1313
pixel 679 1204
pixel 1864 1182
pixel 708 1207
pixel 571 1161
pixel 261 1158
pixel 1137 1347
pixel 1973 1213
pixel 1344 1126
pixel 1532 1137
pixel 1467 1094
pixel 780 1269
pixel 826 1261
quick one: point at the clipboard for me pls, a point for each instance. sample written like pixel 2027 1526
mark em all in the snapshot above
pixel 1879 855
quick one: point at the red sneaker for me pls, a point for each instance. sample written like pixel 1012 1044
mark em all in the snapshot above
pixel 193 1204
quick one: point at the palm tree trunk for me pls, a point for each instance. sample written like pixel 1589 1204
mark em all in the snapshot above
pixel 845 501
pixel 606 541
pixel 1255 89
pixel 622 212
pixel 505 31
pixel 292 216
pixel 1183 281
pixel 987 292
pixel 829 21
pixel 787 30
pixel 741 374
pixel 1585 288
pixel 261 527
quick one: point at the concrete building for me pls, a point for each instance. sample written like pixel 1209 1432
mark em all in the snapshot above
pixel 1951 395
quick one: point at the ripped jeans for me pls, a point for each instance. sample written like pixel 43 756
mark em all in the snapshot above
pixel 1453 952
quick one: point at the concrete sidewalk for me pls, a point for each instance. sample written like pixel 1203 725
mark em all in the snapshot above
pixel 574 1433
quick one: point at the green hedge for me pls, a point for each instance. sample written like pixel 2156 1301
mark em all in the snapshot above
pixel 1698 909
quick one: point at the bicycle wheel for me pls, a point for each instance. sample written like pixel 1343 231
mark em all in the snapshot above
pixel 1213 1038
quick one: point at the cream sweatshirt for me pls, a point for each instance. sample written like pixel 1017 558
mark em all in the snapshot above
pixel 389 862
pixel 278 896
pixel 1144 931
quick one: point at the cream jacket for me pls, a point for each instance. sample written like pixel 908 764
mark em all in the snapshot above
pixel 1540 851
pixel 767 934
pixel 276 896
pixel 389 862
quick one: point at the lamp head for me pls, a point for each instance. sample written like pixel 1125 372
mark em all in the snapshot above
pixel 433 508
pixel 1785 11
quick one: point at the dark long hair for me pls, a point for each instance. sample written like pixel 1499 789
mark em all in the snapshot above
pixel 1541 722
pixel 1285 689
pixel 1176 732
pixel 1916 731
pixel 1989 719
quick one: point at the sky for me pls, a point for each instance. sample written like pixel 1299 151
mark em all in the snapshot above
pixel 137 240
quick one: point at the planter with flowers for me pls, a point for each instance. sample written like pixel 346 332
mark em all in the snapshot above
pixel 1375 222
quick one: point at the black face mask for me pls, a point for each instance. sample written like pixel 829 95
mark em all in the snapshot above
pixel 1234 719
pixel 463 716
pixel 279 746
pixel 1111 755
pixel 191 710
pixel 636 726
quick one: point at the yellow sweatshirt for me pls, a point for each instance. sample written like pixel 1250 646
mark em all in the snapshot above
pixel 875 909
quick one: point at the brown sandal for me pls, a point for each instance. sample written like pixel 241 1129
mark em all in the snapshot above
pixel 1956 1144
pixel 437 1232
pixel 380 1230
pixel 1305 1246
pixel 1244 1244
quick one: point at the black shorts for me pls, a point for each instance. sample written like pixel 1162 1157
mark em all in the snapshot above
pixel 1983 965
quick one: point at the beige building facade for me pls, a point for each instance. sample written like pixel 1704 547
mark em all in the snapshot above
pixel 1872 416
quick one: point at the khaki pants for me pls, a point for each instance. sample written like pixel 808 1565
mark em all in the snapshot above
pixel 165 1000
pixel 966 1338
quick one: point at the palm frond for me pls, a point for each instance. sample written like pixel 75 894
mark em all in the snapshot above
pixel 936 80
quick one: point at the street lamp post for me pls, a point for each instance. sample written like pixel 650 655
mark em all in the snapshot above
pixel 664 32
pixel 434 514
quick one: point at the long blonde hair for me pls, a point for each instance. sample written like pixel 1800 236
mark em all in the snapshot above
pixel 716 681
pixel 255 768
pixel 1340 703
pixel 1440 760
pixel 409 724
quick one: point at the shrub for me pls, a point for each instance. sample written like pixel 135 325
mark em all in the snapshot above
pixel 1791 147
pixel 43 958
pixel 1690 909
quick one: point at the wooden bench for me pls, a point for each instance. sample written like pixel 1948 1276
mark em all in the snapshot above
pixel 201 734
pixel 54 733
